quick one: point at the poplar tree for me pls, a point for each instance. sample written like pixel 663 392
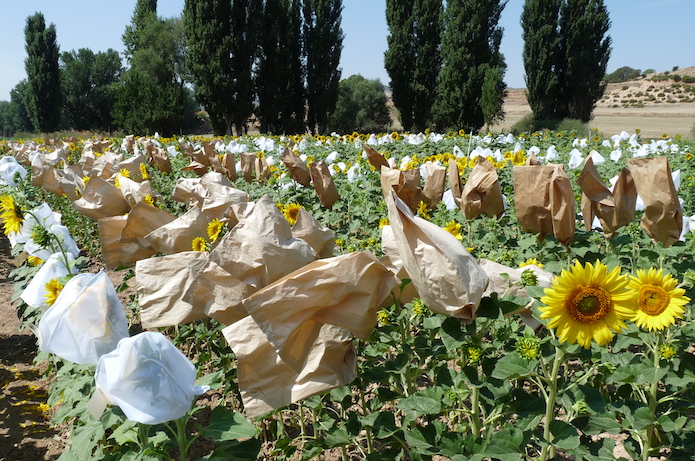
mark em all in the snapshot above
pixel 470 45
pixel 244 38
pixel 323 44
pixel 144 11
pixel 541 56
pixel 400 57
pixel 42 94
pixel 428 62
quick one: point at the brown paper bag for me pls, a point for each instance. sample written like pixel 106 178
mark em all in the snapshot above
pixel 262 170
pixel 115 253
pixel 449 280
pixel 663 218
pixel 267 383
pixel 320 238
pixel 375 158
pixel 545 201
pixel 132 165
pixel 296 167
pixel 324 185
pixel 434 184
pixel 135 192
pixel 101 199
pixel 160 160
pixel 142 220
pixel 248 166
pixel 597 200
pixel 161 284
pixel 482 193
pixel 228 163
pixel 393 262
pixel 344 291
pixel 406 184
pixel 177 236
pixel 455 182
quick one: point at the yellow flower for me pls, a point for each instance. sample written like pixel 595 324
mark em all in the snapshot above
pixel 11 215
pixel 124 172
pixel 291 211
pixel 462 133
pixel 394 136
pixel 422 210
pixel 34 261
pixel 531 261
pixel 667 351
pixel 454 229
pixel 588 302
pixel 53 289
pixel 659 300
pixel 143 171
pixel 85 180
pixel 383 222
pixel 214 228
pixel 148 199
pixel 688 156
pixel 198 244
pixel 664 136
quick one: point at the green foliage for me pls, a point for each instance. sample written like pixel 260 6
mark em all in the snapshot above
pixel 145 11
pixel 470 41
pixel 19 112
pixel 323 44
pixel 566 51
pixel 622 74
pixel 400 57
pixel 361 107
pixel 490 101
pixel 42 96
pixel 428 61
pixel 88 88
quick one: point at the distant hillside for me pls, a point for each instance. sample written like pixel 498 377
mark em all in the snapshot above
pixel 676 87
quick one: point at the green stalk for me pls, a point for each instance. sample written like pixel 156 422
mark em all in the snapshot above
pixel 370 442
pixel 475 414
pixel 548 450
pixel 143 431
pixel 653 400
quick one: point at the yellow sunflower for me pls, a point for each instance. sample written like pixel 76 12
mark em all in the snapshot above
pixel 214 228
pixel 34 261
pixel 588 302
pixel 659 300
pixel 291 211
pixel 422 210
pixel 11 214
pixel 148 199
pixel 124 172
pixel 143 171
pixel 53 289
pixel 454 229
pixel 383 222
pixel 198 244
pixel 531 261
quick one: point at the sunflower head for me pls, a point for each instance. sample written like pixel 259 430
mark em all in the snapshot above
pixel 588 302
pixel 454 229
pixel 34 261
pixel 383 222
pixel 529 347
pixel 10 214
pixel 659 300
pixel 199 244
pixel 41 236
pixel 124 172
pixel 143 171
pixel 531 261
pixel 422 210
pixel 291 212
pixel 53 289
pixel 214 228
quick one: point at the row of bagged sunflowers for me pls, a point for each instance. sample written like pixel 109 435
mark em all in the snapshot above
pixel 291 308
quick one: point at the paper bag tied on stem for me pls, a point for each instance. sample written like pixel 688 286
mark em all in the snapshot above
pixel 545 201
pixel 614 210
pixel 455 181
pixel 375 158
pixel 101 199
pixel 267 383
pixel 115 253
pixel 297 168
pixel 406 185
pixel 324 185
pixel 663 218
pixel 434 184
pixel 482 193
pixel 344 291
pixel 446 276
pixel 178 235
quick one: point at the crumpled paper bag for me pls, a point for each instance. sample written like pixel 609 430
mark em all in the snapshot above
pixel 259 250
pixel 296 167
pixel 320 238
pixel 375 158
pixel 614 210
pixel 101 199
pixel 135 192
pixel 267 383
pixel 406 185
pixel 482 192
pixel 142 220
pixel 324 185
pixel 85 322
pixel 248 166
pixel 663 218
pixel 162 283
pixel 178 235
pixel 344 291
pixel 545 201
pixel 501 285
pixel 9 169
pixel 148 377
pixel 392 261
pixel 455 182
pixel 115 253
pixel 446 276
pixel 435 182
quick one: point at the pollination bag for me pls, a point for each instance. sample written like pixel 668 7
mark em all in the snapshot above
pixel 148 377
pixel 482 193
pixel 85 322
pixel 297 168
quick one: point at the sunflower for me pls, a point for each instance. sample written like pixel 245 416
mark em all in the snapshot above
pixel 148 199
pixel 462 133
pixel 11 215
pixel 198 244
pixel 124 172
pixel 214 228
pixel 394 136
pixel 34 261
pixel 588 302
pixel 383 222
pixel 659 300
pixel 291 211
pixel 53 289
pixel 422 210
pixel 454 229
pixel 531 261
pixel 143 171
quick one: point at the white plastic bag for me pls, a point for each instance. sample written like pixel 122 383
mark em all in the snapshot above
pixel 148 377
pixel 86 321
pixel 9 167
pixel 54 267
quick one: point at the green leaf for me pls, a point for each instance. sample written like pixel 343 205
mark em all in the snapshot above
pixel 565 436
pixel 513 366
pixel 417 405
pixel 227 425
pixel 453 335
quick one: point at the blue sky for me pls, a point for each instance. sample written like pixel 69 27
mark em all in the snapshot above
pixel 646 34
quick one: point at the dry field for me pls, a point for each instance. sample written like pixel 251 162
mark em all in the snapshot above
pixel 619 110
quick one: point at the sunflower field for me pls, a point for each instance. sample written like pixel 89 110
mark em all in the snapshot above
pixel 383 297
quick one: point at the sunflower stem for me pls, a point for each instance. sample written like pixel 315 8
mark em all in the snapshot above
pixel 653 399
pixel 548 450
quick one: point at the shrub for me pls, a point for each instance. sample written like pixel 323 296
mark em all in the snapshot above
pixel 573 125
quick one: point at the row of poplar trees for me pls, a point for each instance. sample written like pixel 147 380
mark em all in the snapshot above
pixel 447 71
